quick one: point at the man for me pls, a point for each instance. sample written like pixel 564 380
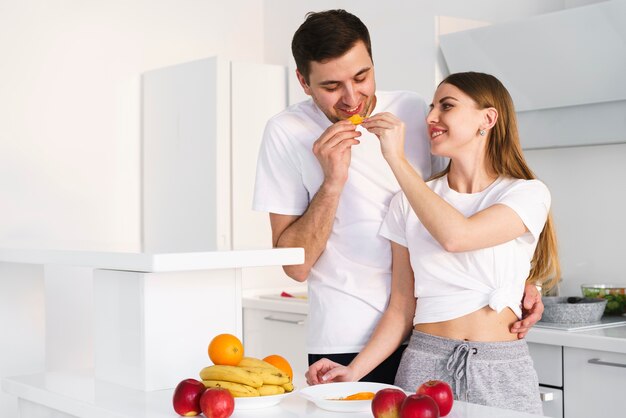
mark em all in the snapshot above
pixel 327 187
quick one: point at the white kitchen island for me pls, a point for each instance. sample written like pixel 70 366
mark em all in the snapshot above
pixel 82 396
pixel 153 318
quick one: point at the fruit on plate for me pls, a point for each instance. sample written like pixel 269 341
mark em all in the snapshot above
pixel 441 393
pixel 268 390
pixel 217 403
pixel 281 363
pixel 387 402
pixel 269 376
pixel 186 399
pixel 252 377
pixel 237 390
pixel 232 374
pixel 356 119
pixel 225 349
pixel 359 396
pixel 419 406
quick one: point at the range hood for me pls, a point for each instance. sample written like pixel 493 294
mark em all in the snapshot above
pixel 565 71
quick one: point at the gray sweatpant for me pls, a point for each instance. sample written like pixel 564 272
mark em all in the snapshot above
pixel 499 374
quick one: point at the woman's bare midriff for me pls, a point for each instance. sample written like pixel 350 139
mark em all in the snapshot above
pixel 484 325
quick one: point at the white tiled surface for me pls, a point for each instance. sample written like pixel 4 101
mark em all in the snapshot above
pixel 81 396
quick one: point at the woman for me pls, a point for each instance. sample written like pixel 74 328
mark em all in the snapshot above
pixel 464 244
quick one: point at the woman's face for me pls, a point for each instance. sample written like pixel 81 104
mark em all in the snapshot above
pixel 454 123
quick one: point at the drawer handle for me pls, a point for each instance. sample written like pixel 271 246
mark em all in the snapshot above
pixel 546 396
pixel 605 363
pixel 288 321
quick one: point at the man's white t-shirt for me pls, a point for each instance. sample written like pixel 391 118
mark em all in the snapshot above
pixel 350 283
pixel 450 285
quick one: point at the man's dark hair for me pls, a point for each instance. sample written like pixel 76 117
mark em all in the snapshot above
pixel 327 35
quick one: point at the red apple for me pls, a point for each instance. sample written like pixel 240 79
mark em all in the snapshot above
pixel 217 403
pixel 186 397
pixel 441 392
pixel 419 406
pixel 386 403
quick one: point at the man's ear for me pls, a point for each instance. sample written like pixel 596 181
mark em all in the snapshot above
pixel 303 83
pixel 490 118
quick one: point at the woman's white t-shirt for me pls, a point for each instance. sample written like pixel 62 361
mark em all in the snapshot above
pixel 450 285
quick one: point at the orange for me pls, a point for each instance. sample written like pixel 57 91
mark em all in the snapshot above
pixel 360 396
pixel 280 363
pixel 356 119
pixel 226 349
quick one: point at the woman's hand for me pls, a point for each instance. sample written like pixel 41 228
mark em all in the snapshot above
pixel 326 371
pixel 390 131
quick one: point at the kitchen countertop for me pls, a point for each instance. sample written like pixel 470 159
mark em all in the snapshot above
pixel 254 298
pixel 82 396
pixel 611 339
pixel 155 263
pixel 604 339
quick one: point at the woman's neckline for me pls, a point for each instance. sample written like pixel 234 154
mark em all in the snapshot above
pixel 486 189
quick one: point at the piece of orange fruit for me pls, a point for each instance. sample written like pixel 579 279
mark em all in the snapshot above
pixel 225 349
pixel 356 119
pixel 280 363
pixel 360 396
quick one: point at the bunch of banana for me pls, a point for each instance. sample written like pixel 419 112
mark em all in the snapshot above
pixel 251 377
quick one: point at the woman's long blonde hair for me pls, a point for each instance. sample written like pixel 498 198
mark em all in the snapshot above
pixel 504 152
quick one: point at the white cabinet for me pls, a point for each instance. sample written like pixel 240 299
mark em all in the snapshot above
pixel 594 383
pixel 202 124
pixel 268 332
pixel 548 360
pixel 579 383
pixel 559 50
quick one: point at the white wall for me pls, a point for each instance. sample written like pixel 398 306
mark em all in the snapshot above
pixel 588 200
pixel 70 140
pixel 70 106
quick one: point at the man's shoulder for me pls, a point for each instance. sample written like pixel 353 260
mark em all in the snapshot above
pixel 298 113
pixel 298 123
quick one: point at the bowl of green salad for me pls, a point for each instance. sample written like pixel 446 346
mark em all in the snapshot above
pixel 615 296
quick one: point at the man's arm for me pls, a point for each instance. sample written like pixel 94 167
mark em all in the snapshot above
pixel 312 229
pixel 532 309
pixel 309 231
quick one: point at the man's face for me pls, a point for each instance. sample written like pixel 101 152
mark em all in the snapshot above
pixel 344 86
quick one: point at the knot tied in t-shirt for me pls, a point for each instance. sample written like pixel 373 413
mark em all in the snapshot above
pixel 503 297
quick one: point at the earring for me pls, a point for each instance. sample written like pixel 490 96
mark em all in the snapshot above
pixel 482 132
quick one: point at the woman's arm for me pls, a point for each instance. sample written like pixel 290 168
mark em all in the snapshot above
pixel 455 232
pixel 393 329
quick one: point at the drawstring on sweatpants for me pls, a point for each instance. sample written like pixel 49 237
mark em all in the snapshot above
pixel 458 367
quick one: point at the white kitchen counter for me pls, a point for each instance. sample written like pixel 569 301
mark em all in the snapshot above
pixel 257 299
pixel 81 396
pixel 611 339
pixel 157 263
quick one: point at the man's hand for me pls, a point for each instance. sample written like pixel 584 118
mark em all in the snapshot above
pixel 326 371
pixel 333 151
pixel 532 309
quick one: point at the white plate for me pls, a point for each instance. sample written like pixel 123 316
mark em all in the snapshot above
pixel 321 395
pixel 256 402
